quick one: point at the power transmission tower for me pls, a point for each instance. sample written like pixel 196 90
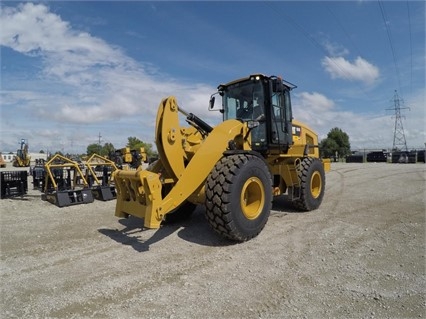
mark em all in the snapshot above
pixel 99 143
pixel 399 141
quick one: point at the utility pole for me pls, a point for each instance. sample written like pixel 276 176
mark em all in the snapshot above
pixel 399 141
pixel 99 143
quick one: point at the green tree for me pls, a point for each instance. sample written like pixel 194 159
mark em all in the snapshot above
pixel 337 142
pixel 134 143
pixel 93 148
pixel 107 149
pixel 100 150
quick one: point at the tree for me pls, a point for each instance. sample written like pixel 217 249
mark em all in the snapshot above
pixel 134 143
pixel 107 149
pixel 100 150
pixel 93 148
pixel 337 142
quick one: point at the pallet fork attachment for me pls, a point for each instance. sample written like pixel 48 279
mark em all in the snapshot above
pixel 65 184
pixel 99 175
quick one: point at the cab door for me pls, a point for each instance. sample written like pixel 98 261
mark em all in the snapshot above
pixel 281 133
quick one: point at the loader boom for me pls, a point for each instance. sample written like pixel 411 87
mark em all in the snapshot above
pixel 143 193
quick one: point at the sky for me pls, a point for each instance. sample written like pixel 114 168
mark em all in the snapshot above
pixel 74 73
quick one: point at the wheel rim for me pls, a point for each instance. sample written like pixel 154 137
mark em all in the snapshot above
pixel 252 198
pixel 316 184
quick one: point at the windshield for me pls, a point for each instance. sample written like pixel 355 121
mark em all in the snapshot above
pixel 243 100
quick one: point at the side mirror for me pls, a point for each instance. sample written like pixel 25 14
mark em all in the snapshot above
pixel 211 102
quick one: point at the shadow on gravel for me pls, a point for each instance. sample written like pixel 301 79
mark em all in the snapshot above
pixel 198 231
pixel 128 235
pixel 195 230
pixel 282 204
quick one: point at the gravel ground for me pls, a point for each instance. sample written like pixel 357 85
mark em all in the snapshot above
pixel 360 255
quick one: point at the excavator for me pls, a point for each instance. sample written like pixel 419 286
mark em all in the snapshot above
pixel 22 159
pixel 234 169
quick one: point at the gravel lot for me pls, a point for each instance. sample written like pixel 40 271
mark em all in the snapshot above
pixel 361 255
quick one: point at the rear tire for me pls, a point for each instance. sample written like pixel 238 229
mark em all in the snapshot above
pixel 312 184
pixel 239 196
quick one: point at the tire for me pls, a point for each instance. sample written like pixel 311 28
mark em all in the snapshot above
pixel 239 196
pixel 312 184
pixel 180 214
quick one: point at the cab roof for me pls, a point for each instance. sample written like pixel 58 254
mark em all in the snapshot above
pixel 260 76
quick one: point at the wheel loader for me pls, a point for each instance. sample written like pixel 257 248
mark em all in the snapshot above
pixel 234 169
pixel 22 158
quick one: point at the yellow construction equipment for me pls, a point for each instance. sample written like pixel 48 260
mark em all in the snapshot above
pixel 22 158
pixel 2 162
pixel 234 169
pixel 129 158
pixel 99 176
pixel 65 183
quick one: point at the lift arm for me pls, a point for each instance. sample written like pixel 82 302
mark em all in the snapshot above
pixel 139 193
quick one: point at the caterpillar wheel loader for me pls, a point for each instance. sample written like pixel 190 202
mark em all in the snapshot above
pixel 234 169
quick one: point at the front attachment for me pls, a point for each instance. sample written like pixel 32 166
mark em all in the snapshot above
pixel 13 183
pixel 139 194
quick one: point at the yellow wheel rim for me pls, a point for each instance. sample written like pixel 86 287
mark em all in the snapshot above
pixel 316 184
pixel 252 198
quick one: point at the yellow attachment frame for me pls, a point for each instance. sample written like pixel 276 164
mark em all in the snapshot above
pixel 97 160
pixel 59 161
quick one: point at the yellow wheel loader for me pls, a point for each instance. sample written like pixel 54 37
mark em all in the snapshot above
pixel 22 158
pixel 234 169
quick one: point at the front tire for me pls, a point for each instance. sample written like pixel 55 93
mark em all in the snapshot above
pixel 239 196
pixel 180 214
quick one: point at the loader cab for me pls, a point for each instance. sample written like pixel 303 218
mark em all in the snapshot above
pixel 265 103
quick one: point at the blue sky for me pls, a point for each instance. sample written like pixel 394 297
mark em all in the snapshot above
pixel 71 70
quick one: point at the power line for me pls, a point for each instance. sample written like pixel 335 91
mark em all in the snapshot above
pixel 343 29
pixel 411 49
pixel 99 142
pixel 388 32
pixel 315 43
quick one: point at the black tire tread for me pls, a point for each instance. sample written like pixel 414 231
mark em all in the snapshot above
pixel 303 202
pixel 219 197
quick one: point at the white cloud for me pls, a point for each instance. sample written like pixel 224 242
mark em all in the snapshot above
pixel 359 70
pixel 315 101
pixel 334 49
pixel 99 82
pixel 32 29
pixel 85 85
